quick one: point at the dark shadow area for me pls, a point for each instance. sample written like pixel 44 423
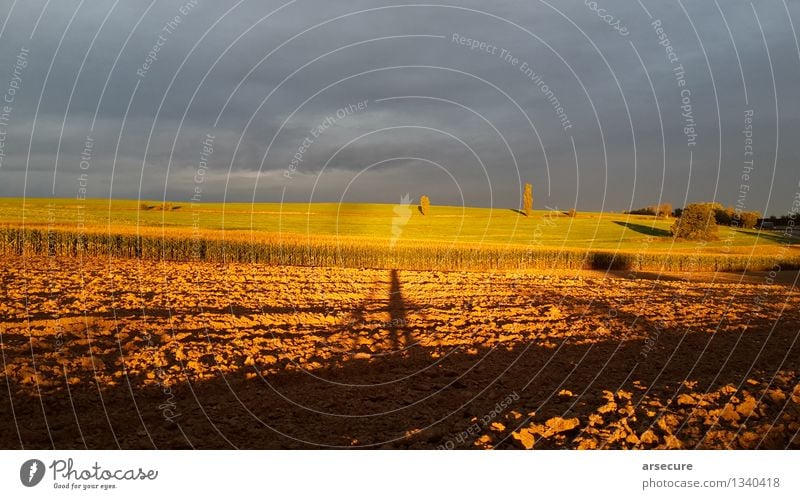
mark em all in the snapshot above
pixel 650 276
pixel 398 324
pixel 772 236
pixel 123 313
pixel 644 229
pixel 418 398
pixel 519 212
pixel 610 261
pixel 786 277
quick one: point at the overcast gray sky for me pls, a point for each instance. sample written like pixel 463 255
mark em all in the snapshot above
pixel 461 101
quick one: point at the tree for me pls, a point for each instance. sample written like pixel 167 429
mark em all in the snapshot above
pixel 724 216
pixel 527 200
pixel 663 210
pixel 424 205
pixel 749 219
pixel 697 222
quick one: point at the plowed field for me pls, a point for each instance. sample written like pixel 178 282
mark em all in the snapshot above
pixel 133 354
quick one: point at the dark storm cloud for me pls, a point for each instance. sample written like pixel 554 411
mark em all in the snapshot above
pixel 261 85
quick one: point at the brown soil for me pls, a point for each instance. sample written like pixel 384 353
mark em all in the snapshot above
pixel 122 353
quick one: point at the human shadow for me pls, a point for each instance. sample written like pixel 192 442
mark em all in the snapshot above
pixel 418 398
pixel 644 229
pixel 398 322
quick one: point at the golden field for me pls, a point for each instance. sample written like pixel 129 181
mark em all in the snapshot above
pixel 378 236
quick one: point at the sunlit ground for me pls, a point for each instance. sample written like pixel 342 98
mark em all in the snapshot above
pixel 123 353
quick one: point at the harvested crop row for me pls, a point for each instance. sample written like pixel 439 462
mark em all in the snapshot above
pixel 362 253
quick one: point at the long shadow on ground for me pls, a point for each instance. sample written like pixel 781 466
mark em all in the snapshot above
pixel 413 402
pixel 644 229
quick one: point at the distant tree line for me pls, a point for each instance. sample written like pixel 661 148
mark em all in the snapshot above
pixel 721 215
pixel 662 210
pixel 781 221
pixel 734 218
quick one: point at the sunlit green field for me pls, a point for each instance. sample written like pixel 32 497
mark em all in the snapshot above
pixel 376 223
pixel 377 236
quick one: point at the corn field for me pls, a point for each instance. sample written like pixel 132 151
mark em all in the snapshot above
pixel 360 253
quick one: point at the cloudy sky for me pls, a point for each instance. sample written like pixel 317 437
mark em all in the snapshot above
pixel 602 105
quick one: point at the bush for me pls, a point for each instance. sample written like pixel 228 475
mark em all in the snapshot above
pixel 424 205
pixel 527 200
pixel 648 210
pixel 697 223
pixel 571 213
